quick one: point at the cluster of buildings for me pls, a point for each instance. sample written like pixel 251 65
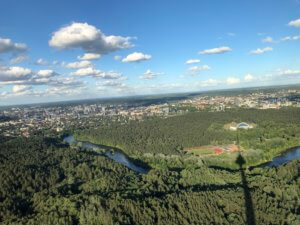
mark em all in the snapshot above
pixel 258 100
pixel 25 120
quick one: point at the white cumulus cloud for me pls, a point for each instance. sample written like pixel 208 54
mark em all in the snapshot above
pixel 110 83
pixel 289 72
pixel 19 59
pixel 209 83
pixel 46 73
pixel 294 23
pixel 192 61
pixel 248 77
pixel 89 56
pixel 41 61
pixel 21 88
pixel 7 45
pixel 199 68
pixel 136 57
pixel 68 82
pixel 232 80
pixel 260 51
pixel 88 38
pixel 267 40
pixel 92 72
pixel 219 50
pixel 291 38
pixel 14 73
pixel 78 65
pixel 63 90
pixel 149 75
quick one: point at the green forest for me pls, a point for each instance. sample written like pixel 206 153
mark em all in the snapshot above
pixel 43 181
pixel 275 131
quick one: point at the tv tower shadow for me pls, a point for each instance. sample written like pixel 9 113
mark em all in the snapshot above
pixel 250 215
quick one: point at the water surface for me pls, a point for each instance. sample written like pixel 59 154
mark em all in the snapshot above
pixel 116 155
pixel 288 155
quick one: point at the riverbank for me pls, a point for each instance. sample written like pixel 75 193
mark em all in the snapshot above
pixel 275 152
pixel 253 158
pixel 113 153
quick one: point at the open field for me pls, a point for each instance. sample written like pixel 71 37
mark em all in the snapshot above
pixel 212 149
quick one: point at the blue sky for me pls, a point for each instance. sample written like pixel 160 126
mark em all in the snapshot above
pixel 60 50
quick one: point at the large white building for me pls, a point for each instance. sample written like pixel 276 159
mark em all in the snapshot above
pixel 241 125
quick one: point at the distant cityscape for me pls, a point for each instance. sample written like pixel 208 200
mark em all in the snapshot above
pixel 26 120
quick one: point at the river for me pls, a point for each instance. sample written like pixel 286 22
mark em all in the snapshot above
pixel 114 154
pixel 288 155
pixel 122 158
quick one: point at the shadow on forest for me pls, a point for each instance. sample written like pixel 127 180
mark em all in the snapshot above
pixel 139 163
pixel 250 215
pixel 223 169
pixel 55 142
pixel 68 189
pixel 23 206
pixel 3 157
pixel 137 195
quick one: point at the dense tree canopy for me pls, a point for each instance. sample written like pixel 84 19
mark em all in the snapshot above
pixel 43 181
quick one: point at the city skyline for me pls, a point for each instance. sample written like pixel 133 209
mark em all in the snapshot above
pixel 100 49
